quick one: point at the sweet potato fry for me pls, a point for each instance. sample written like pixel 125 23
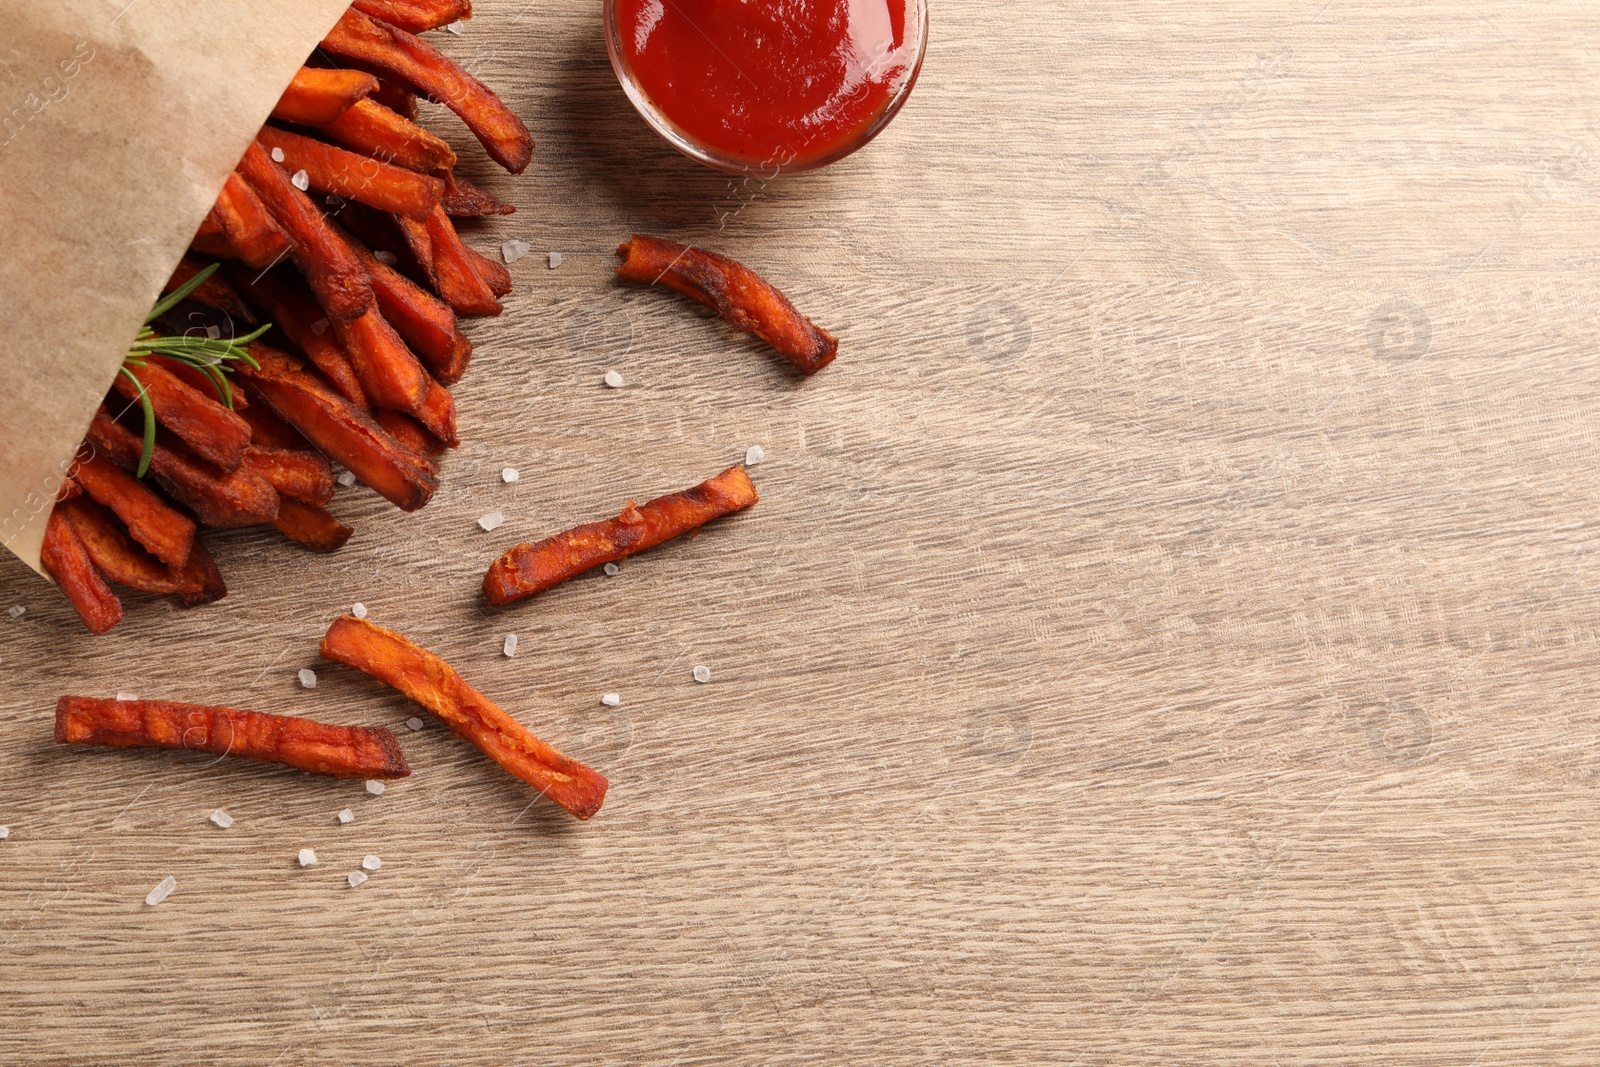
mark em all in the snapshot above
pixel 409 432
pixel 494 273
pixel 267 430
pixel 116 556
pixel 329 265
pixel 529 569
pixel 356 177
pixel 218 498
pixel 311 526
pixel 454 271
pixel 321 748
pixel 425 322
pixel 462 199
pixel 210 240
pixel 339 430
pixel 253 233
pixel 302 476
pixel 415 16
pixel 301 320
pixel 438 414
pixel 316 96
pixel 70 490
pixel 390 375
pixel 397 97
pixel 210 430
pixel 167 533
pixel 376 131
pixel 200 571
pixel 733 291
pixel 417 64
pixel 433 683
pixel 67 561
pixel 213 292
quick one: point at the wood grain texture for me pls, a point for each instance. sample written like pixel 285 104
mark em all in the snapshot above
pixel 1166 636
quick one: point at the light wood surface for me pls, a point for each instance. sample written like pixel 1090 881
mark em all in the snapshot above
pixel 1167 634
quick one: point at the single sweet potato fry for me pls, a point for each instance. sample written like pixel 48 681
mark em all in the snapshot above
pixel 733 291
pixel 529 569
pixel 296 475
pixel 454 271
pixel 494 273
pixel 417 64
pixel 356 177
pixel 390 375
pixel 293 311
pixel 218 498
pixel 316 96
pixel 213 292
pixel 311 526
pixel 433 683
pixel 425 322
pixel 166 532
pixel 67 560
pixel 117 557
pixel 210 430
pixel 252 232
pixel 329 265
pixel 415 16
pixel 318 747
pixel 462 199
pixel 200 570
pixel 409 432
pixel 376 131
pixel 267 430
pixel 438 414
pixel 339 430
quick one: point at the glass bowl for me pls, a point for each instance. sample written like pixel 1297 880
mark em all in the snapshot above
pixel 916 41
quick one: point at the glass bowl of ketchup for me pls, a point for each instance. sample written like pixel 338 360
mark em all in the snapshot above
pixel 767 86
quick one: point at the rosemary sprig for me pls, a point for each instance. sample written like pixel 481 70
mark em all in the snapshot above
pixel 211 356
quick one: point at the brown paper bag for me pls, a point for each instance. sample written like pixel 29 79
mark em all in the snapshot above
pixel 119 121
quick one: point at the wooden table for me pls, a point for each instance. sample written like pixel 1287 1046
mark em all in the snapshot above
pixel 1167 634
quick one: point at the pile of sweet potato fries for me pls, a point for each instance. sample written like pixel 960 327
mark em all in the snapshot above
pixel 337 229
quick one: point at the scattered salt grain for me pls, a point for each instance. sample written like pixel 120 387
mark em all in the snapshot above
pixel 320 327
pixel 301 180
pixel 222 818
pixel 162 891
pixel 383 255
pixel 511 645
pixel 612 570
pixel 376 787
pixel 555 260
pixel 611 700
pixel 308 678
pixel 356 878
pixel 702 674
pixel 277 155
pixel 413 724
pixel 346 479
pixel 127 696
pixel 513 250
pixel 613 379
pixel 213 332
pixel 307 858
pixel 509 475
pixel 346 817
pixel 493 520
pixel 5 832
pixel 454 27
pixel 372 863
pixel 16 611
pixel 755 455
pixel 359 610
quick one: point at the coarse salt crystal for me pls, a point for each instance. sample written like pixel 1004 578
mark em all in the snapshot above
pixel 702 674
pixel 222 818
pixel 359 610
pixel 307 858
pixel 346 817
pixel 213 332
pixel 371 863
pixel 510 646
pixel 383 255
pixel 308 678
pixel 454 27
pixel 16 611
pixel 612 570
pixel 413 724
pixel 127 696
pixel 493 520
pixel 509 475
pixel 346 479
pixel 376 787
pixel 162 891
pixel 611 700
pixel 755 455
pixel 301 179
pixel 320 327
pixel 513 250
pixel 5 832
pixel 356 878
pixel 613 379
pixel 555 260
pixel 277 155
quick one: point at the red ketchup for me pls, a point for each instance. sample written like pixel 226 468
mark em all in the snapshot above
pixel 769 83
